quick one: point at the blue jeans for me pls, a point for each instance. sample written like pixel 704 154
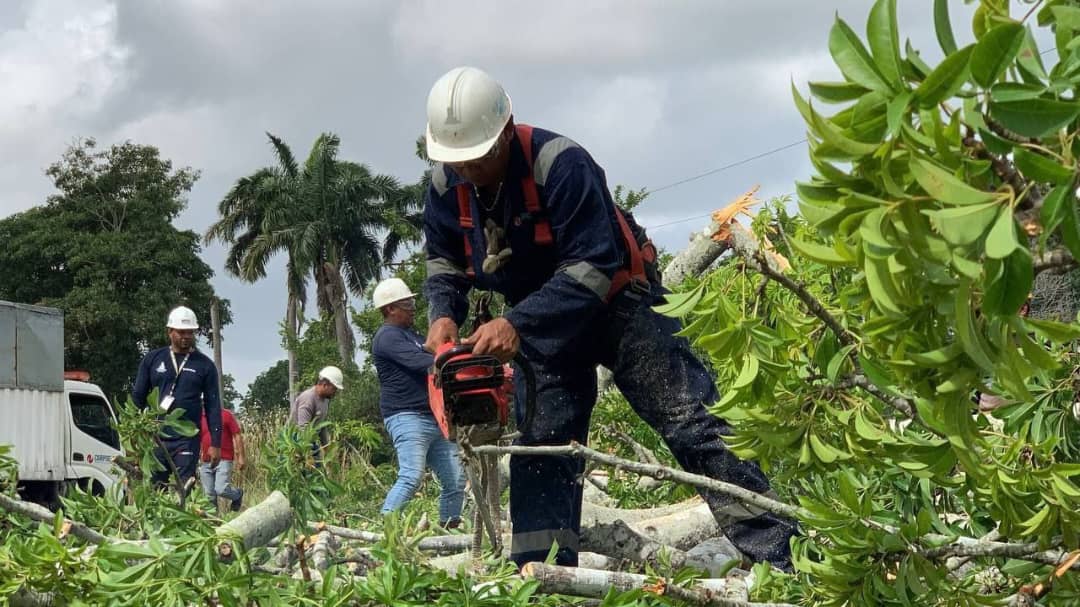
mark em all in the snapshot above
pixel 215 482
pixel 419 443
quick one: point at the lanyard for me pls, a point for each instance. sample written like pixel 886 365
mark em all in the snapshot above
pixel 178 369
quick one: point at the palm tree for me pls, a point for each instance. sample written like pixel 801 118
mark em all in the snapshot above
pixel 327 215
pixel 253 205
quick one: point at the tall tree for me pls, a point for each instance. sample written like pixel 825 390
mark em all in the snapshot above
pixel 327 214
pixel 249 210
pixel 104 250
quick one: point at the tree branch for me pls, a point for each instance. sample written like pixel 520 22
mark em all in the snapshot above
pixel 757 261
pixel 1057 260
pixel 656 471
pixel 42 514
pixel 902 405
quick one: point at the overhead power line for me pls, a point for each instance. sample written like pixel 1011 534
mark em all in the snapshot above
pixel 725 167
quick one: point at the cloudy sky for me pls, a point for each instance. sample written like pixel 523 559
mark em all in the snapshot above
pixel 658 91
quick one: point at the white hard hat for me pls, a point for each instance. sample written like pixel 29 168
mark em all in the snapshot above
pixel 182 318
pixel 466 111
pixel 389 291
pixel 334 376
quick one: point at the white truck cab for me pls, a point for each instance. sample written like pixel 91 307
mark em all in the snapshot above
pixel 61 431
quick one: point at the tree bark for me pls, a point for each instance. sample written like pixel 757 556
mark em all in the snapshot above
pixel 257 525
pixel 291 339
pixel 595 583
pixel 696 257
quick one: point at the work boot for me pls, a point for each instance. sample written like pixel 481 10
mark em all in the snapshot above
pixel 451 524
pixel 235 504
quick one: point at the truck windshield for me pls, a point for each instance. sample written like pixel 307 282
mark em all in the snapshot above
pixel 91 415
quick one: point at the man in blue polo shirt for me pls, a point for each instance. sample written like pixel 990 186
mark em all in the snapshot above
pixel 186 379
pixel 402 364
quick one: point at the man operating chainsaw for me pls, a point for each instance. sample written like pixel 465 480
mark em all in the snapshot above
pixel 402 365
pixel 527 213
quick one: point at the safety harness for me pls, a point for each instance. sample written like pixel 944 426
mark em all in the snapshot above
pixel 642 253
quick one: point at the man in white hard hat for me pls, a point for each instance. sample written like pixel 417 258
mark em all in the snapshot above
pixel 402 364
pixel 527 212
pixel 186 379
pixel 312 406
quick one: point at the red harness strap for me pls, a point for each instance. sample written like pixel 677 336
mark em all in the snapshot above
pixel 636 272
pixel 466 223
pixel 541 226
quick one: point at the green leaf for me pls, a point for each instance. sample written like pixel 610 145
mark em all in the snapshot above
pixel 939 357
pixel 853 59
pixel 1057 205
pixel 1032 525
pixel 1040 168
pixel 748 374
pixel 881 287
pixel 946 79
pixel 1070 220
pixel 897 109
pixel 963 225
pixel 1011 284
pixel 834 136
pixel 681 304
pixel 1015 91
pixel 837 92
pixel 825 452
pixel 918 68
pixel 1054 331
pixel 966 330
pixel 943 28
pixel 1030 60
pixel 866 430
pixel 1067 17
pixel 1035 118
pixel 837 362
pixel 881 33
pixel 944 186
pixel 995 51
pixel 1002 241
pixel 818 253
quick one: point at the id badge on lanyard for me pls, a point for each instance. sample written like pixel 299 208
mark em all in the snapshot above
pixel 167 402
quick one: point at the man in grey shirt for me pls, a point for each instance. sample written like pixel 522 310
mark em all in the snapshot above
pixel 312 405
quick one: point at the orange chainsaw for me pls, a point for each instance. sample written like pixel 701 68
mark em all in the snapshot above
pixel 475 391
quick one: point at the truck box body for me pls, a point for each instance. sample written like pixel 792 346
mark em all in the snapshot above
pixel 32 400
pixel 30 420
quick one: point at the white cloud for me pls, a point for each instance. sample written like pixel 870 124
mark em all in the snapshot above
pixel 56 70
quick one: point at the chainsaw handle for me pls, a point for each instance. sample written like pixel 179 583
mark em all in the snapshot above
pixel 458 349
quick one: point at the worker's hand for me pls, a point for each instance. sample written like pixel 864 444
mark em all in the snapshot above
pixel 215 456
pixel 498 338
pixel 239 464
pixel 441 331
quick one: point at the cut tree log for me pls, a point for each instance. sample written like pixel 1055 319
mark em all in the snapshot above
pixel 439 544
pixel 620 541
pixel 593 583
pixel 683 529
pixel 322 550
pixel 257 525
pixel 591 513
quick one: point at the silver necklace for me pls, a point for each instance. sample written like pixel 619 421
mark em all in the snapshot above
pixel 494 201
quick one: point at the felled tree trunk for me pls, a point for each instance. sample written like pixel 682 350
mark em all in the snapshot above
pixel 257 525
pixel 594 583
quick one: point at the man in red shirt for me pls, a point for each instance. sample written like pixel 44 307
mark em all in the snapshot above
pixel 215 479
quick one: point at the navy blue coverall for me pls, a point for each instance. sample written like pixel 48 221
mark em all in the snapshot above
pixel 557 295
pixel 195 390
